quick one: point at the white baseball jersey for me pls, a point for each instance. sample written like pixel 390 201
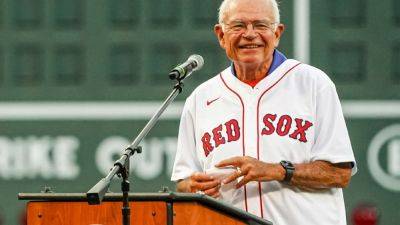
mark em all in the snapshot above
pixel 292 114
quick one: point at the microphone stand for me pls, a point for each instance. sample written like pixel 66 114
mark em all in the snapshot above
pixel 121 167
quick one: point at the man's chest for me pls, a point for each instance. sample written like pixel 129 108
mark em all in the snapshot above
pixel 268 127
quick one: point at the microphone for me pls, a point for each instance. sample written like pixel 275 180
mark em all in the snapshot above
pixel 193 63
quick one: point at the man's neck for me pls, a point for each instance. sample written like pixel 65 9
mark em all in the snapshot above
pixel 278 59
pixel 247 73
pixel 250 72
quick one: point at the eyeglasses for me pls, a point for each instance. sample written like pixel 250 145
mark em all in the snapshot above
pixel 238 26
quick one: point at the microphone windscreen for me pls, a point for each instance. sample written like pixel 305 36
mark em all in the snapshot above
pixel 199 60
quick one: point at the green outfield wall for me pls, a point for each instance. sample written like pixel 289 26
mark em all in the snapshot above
pixel 80 78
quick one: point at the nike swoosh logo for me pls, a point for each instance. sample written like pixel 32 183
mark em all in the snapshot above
pixel 209 102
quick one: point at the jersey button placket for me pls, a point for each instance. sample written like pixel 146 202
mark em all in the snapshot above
pixel 251 129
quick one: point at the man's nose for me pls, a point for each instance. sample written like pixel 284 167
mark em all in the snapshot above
pixel 250 33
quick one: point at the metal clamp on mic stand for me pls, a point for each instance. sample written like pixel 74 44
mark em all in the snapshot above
pixel 121 167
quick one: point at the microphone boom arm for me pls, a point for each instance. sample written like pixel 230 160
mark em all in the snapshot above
pixel 96 194
pixel 121 167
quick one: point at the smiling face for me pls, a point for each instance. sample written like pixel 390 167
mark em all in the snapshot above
pixel 250 32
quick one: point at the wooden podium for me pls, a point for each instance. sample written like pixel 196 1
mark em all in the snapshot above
pixel 146 209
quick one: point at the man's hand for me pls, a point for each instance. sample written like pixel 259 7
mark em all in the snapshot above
pixel 251 169
pixel 200 182
pixel 315 175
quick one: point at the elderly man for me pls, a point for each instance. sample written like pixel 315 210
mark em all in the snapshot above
pixel 276 120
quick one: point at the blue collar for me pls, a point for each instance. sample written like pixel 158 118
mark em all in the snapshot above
pixel 278 59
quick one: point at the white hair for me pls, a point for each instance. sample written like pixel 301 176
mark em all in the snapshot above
pixel 225 5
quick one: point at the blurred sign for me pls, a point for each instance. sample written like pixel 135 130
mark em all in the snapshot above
pixel 56 157
pixel 146 166
pixel 34 157
pixel 384 157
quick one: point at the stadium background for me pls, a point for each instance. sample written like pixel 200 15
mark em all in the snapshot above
pixel 80 78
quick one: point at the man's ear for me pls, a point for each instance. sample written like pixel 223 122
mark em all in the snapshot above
pixel 220 35
pixel 278 33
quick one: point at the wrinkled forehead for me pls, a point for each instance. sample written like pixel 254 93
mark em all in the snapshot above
pixel 249 10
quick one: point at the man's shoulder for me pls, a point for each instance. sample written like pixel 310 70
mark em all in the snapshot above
pixel 208 89
pixel 311 71
pixel 211 84
pixel 314 74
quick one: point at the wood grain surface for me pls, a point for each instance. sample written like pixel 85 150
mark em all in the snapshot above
pixel 196 214
pixel 108 213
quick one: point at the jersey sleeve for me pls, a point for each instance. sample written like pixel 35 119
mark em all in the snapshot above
pixel 186 161
pixel 332 142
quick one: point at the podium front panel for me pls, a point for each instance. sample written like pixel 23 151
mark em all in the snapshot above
pixel 167 208
pixel 196 214
pixel 81 213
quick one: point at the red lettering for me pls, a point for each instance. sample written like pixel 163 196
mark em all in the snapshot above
pixel 284 122
pixel 207 147
pixel 218 139
pixel 232 130
pixel 269 127
pixel 215 138
pixel 301 130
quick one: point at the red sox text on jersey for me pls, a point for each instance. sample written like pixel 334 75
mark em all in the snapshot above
pixel 272 124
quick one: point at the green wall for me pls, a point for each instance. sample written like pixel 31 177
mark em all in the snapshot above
pixel 106 51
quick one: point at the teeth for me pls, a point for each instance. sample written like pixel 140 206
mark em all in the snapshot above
pixel 251 46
